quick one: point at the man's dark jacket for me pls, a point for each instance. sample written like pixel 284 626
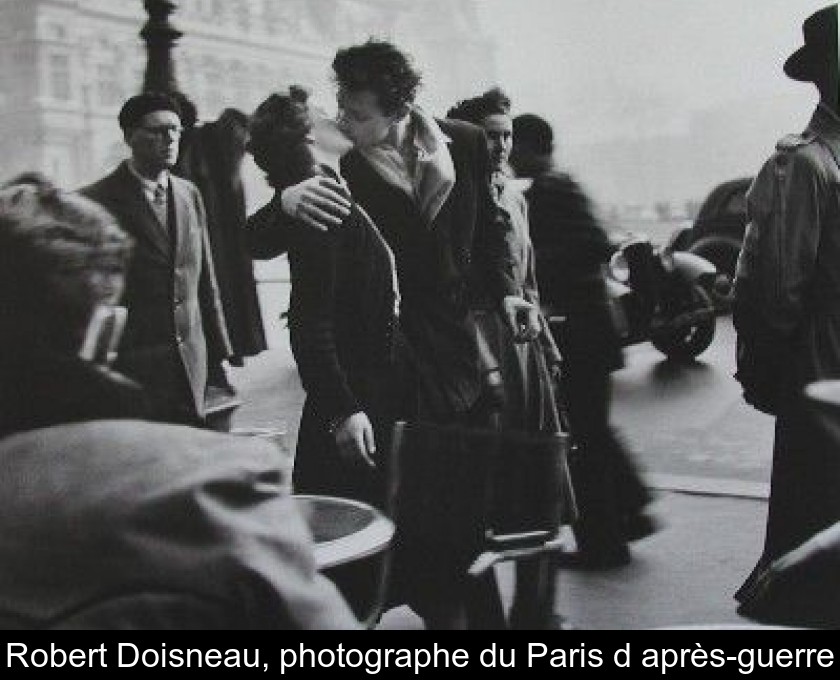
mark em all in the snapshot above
pixel 443 267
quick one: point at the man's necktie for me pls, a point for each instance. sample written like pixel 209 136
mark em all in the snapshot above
pixel 159 204
pixel 160 195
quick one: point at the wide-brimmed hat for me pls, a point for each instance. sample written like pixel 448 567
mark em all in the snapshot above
pixel 820 48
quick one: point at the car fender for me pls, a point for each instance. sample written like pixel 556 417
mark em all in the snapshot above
pixel 679 239
pixel 619 300
pixel 616 289
pixel 693 268
pixel 710 242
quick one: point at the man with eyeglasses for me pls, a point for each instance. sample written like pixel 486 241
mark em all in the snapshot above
pixel 175 325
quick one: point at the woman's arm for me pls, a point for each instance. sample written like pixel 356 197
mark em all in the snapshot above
pixel 313 257
pixel 313 261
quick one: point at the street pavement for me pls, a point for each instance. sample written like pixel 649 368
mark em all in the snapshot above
pixel 690 419
pixel 706 455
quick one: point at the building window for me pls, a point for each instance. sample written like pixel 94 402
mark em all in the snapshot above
pixel 282 19
pixel 218 11
pixel 242 11
pixel 108 88
pixel 59 77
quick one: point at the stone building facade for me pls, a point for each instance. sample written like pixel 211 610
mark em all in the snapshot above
pixel 67 65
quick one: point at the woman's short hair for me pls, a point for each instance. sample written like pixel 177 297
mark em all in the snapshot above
pixel 59 254
pixel 278 125
pixel 380 67
pixel 474 110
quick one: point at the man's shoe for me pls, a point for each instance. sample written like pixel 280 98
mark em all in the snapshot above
pixel 639 525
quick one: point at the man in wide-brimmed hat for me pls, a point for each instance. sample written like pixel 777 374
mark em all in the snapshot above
pixel 787 294
pixel 817 60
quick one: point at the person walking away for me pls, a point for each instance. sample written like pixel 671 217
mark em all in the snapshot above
pixel 571 247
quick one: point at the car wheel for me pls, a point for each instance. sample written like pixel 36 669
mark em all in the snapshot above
pixel 688 342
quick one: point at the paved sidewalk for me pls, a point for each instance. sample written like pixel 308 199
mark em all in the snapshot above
pixel 683 575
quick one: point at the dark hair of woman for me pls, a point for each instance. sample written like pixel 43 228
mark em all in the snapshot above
pixel 278 138
pixel 476 109
pixel 380 67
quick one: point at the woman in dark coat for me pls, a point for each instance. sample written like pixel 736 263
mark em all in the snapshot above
pixel 342 319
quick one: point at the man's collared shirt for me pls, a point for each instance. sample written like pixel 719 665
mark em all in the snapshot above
pixel 155 191
pixel 432 176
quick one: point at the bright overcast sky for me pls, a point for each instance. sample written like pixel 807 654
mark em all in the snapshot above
pixel 587 62
pixel 609 73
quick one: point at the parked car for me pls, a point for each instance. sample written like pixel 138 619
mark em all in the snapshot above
pixel 718 230
pixel 662 296
pixel 716 234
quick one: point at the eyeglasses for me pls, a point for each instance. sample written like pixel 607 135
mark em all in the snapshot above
pixel 163 130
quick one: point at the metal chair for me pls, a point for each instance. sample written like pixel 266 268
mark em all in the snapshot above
pixel 352 541
pixel 483 496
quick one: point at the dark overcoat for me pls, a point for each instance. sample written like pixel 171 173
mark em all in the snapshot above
pixel 443 267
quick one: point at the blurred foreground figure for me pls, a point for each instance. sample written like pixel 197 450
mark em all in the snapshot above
pixel 570 249
pixel 787 291
pixel 110 522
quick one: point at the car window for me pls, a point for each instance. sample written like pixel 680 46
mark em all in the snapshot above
pixel 736 204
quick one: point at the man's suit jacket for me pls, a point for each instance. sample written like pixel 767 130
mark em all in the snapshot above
pixel 124 524
pixel 445 266
pixel 174 311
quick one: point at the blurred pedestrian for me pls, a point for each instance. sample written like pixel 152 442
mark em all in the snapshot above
pixel 787 280
pixel 571 248
pixel 176 326
pixel 110 522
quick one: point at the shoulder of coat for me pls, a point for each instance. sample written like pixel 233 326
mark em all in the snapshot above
pixel 795 141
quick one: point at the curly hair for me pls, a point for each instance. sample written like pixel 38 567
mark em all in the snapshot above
pixel 276 134
pixel 474 110
pixel 378 66
pixel 60 254
pixel 133 110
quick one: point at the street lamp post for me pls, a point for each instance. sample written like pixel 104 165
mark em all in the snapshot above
pixel 160 37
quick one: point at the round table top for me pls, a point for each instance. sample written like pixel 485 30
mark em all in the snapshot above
pixel 344 530
pixel 824 392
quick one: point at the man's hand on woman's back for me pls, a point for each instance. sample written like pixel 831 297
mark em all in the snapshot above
pixel 319 202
